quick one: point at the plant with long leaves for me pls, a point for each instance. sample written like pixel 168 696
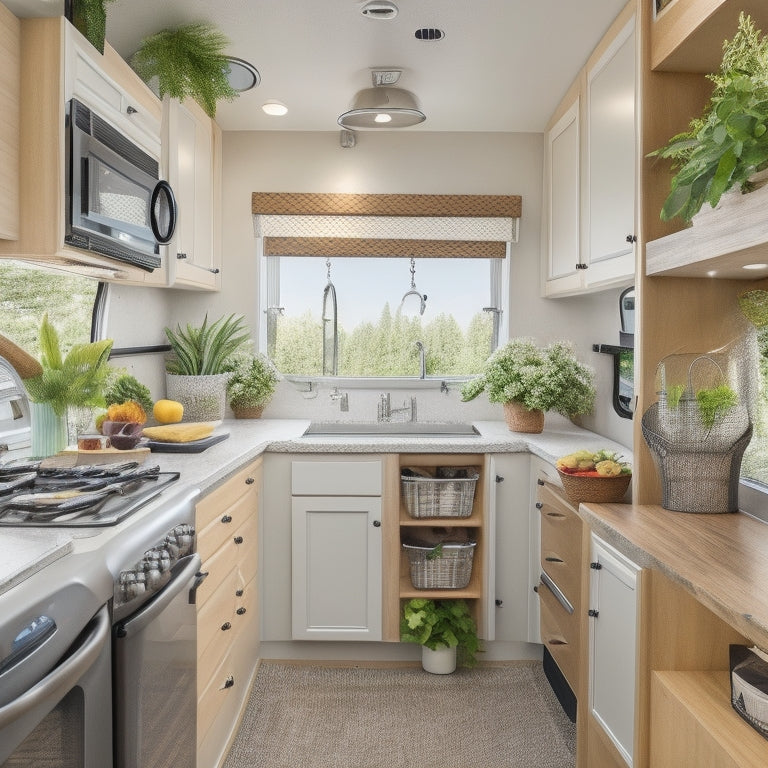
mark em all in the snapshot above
pixel 75 379
pixel 187 61
pixel 206 349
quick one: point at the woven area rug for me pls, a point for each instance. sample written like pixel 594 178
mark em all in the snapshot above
pixel 330 717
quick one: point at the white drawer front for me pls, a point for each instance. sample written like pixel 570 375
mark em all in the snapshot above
pixel 337 478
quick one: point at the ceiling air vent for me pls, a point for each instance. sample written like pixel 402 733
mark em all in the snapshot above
pixel 429 33
pixel 379 9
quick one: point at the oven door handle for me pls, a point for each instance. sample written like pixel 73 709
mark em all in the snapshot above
pixel 183 579
pixel 64 677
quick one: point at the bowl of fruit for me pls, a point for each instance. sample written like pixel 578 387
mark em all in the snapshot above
pixel 599 476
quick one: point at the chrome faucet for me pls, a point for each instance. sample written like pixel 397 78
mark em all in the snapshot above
pixel 422 360
pixel 342 397
pixel 385 409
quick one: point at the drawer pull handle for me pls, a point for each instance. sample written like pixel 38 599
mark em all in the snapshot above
pixel 225 626
pixel 238 539
pixel 556 515
pixel 250 480
pixel 240 611
pixel 553 559
pixel 229 682
pixel 226 519
pixel 556 641
pixel 557 592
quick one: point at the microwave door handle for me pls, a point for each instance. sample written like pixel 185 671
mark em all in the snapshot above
pixel 85 183
pixel 163 190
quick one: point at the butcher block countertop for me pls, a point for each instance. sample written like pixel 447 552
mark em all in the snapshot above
pixel 720 559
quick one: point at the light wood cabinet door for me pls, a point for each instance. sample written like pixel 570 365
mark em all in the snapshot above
pixel 613 625
pixel 10 95
pixel 336 568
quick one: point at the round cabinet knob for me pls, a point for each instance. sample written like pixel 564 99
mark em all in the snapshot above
pixel 250 480
pixel 131 110
pixel 240 611
pixel 229 682
pixel 226 519
pixel 539 505
pixel 238 539
pixel 239 592
pixel 225 626
pixel 377 523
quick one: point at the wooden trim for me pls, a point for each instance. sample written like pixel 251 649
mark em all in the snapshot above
pixel 383 248
pixel 333 204
pixel 390 620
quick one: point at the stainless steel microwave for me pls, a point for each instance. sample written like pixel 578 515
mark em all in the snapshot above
pixel 116 203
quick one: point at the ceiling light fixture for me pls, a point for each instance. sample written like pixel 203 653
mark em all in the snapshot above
pixel 382 106
pixel 242 75
pixel 379 9
pixel 274 108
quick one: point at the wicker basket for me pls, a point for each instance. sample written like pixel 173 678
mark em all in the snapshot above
pixel 601 490
pixel 446 566
pixel 438 497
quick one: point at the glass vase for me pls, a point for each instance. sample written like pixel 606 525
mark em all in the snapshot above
pixel 49 430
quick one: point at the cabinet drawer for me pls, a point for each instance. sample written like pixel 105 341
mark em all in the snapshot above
pixel 239 551
pixel 244 483
pixel 336 478
pixel 561 534
pixel 560 633
pixel 225 529
pixel 215 618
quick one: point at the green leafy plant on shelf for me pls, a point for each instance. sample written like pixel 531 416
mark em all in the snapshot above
pixel 252 383
pixel 541 378
pixel 77 378
pixel 729 143
pixel 188 61
pixel 206 349
pixel 712 402
pixel 90 18
pixel 441 624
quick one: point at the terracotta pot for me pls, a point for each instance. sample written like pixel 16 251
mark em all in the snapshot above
pixel 248 413
pixel 521 419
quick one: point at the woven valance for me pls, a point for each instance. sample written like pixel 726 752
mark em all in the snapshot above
pixel 383 248
pixel 338 204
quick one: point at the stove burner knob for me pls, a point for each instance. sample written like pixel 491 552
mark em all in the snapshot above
pixel 172 547
pixel 184 536
pixel 152 573
pixel 130 587
pixel 165 562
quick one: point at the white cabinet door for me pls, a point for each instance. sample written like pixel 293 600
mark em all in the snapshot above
pixel 611 161
pixel 509 476
pixel 193 170
pixel 562 180
pixel 613 604
pixel 336 568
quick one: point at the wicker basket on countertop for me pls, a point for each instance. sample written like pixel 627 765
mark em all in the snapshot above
pixel 600 490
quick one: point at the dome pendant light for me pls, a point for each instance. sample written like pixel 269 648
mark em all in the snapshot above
pixel 382 107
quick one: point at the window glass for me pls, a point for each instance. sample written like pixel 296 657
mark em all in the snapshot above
pixel 378 328
pixel 754 466
pixel 28 292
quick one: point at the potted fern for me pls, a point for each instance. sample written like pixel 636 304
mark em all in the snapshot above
pixel 251 385
pixel 445 630
pixel 530 380
pixel 200 365
pixel 188 61
pixel 73 380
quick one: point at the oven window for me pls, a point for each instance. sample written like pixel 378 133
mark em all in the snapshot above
pixel 58 741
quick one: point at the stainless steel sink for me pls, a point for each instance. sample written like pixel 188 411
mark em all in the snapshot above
pixel 390 428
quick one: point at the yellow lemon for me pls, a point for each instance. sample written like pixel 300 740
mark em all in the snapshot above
pixel 168 411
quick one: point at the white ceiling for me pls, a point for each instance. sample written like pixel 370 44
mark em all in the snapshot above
pixel 503 65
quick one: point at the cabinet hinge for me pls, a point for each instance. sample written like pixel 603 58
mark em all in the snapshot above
pixel 582 265
pixel 593 613
pixel 595 566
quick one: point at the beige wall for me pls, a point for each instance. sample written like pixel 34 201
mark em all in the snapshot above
pixel 407 162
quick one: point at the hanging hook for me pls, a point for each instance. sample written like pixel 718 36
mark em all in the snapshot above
pixel 413 291
pixel 328 267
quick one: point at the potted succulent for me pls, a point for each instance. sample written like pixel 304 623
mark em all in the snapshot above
pixel 530 380
pixel 445 630
pixel 198 369
pixel 251 385
pixel 728 144
pixel 65 381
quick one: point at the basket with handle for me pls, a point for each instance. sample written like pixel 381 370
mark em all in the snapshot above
pixel 444 566
pixel 439 497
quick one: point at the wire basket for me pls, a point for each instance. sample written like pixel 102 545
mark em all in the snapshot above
pixel 439 497
pixel 698 463
pixel 445 566
pixel 749 687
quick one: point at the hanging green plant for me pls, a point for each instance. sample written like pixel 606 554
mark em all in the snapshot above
pixel 90 18
pixel 188 62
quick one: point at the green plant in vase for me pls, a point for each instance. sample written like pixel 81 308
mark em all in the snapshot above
pixel 729 143
pixel 188 62
pixel 251 385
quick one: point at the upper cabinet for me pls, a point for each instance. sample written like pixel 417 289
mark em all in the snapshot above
pixel 590 185
pixel 192 144
pixel 58 64
pixel 10 91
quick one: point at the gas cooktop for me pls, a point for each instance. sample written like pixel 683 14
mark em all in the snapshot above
pixel 89 495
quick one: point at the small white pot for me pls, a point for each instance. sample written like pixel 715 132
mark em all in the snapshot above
pixel 439 662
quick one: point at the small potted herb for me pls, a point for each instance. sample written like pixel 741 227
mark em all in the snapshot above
pixel 530 380
pixel 251 385
pixel 445 630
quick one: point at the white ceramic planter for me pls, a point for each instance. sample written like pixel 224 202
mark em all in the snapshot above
pixel 439 662
pixel 204 397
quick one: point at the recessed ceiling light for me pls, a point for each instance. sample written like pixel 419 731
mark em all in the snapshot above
pixel 275 108
pixel 379 9
pixel 755 266
pixel 242 75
